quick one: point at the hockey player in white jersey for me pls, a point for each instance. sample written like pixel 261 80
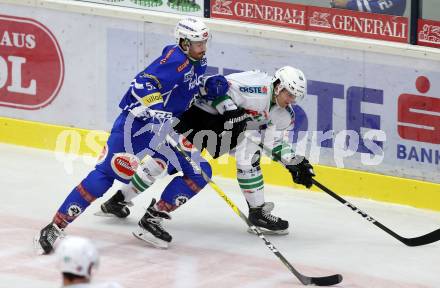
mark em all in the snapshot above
pixel 267 100
pixel 251 95
pixel 77 260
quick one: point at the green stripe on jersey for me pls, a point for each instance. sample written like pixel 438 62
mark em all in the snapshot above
pixel 218 100
pixel 252 186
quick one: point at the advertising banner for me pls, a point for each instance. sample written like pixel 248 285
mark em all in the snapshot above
pixel 428 33
pixel 187 7
pixel 359 24
pixel 263 12
pixel 31 64
pixel 330 20
pixel 53 65
pixel 364 110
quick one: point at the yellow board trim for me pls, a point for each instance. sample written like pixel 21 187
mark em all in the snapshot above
pixel 419 194
pixel 52 137
pixel 348 182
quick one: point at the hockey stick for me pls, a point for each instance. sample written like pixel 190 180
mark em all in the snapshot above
pixel 416 241
pixel 306 280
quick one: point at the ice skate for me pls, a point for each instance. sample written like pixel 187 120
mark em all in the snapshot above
pixel 150 227
pixel 115 206
pixel 45 240
pixel 268 224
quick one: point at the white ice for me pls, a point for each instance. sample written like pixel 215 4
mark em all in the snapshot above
pixel 211 247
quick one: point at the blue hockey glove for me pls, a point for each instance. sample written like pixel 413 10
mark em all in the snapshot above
pixel 215 86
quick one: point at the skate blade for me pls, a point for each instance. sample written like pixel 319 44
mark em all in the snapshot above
pixel 150 239
pixel 269 232
pixel 37 247
pixel 103 214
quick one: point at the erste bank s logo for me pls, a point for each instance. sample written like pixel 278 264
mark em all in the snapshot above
pixel 419 115
pixel 419 125
pixel 31 64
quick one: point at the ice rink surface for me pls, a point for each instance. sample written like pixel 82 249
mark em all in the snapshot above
pixel 211 247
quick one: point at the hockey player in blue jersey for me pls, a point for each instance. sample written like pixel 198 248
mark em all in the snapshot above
pixel 165 89
pixel 390 7
pixel 250 101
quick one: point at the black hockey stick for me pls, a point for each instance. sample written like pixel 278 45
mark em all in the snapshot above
pixel 306 280
pixel 416 241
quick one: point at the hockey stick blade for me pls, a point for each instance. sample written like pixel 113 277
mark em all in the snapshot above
pixel 306 280
pixel 416 241
pixel 423 240
pixel 322 281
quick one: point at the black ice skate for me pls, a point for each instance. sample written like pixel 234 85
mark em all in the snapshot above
pixel 150 227
pixel 269 224
pixel 45 240
pixel 115 206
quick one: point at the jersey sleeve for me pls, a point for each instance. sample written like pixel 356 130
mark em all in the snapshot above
pixel 151 86
pixel 224 103
pixel 278 141
pixel 277 133
pixel 146 89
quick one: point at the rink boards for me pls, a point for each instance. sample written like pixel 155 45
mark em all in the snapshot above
pixel 81 142
pixel 73 61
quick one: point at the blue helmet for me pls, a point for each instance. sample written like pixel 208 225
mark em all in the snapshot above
pixel 214 86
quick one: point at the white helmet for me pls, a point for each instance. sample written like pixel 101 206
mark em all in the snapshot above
pixel 192 29
pixel 77 256
pixel 293 80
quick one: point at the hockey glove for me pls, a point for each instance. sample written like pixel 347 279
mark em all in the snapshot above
pixel 214 86
pixel 302 172
pixel 236 121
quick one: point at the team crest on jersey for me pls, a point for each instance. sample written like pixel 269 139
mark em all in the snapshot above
pixel 124 165
pixel 74 210
pixel 195 82
pixel 180 200
pixel 188 75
